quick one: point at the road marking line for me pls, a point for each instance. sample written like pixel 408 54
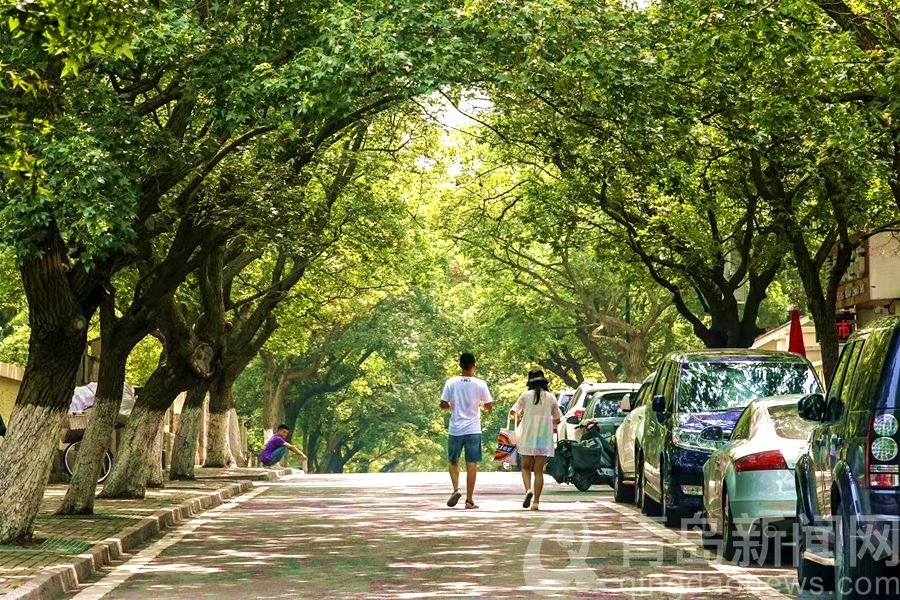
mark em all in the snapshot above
pixel 123 572
pixel 748 581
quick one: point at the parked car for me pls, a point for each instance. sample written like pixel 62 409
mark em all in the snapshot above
pixel 564 397
pixel 567 426
pixel 748 483
pixel 848 481
pixel 627 440
pixel 696 390
pixel 603 411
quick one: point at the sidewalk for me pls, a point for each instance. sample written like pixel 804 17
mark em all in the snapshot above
pixel 67 549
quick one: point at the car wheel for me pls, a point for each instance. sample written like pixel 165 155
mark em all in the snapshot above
pixel 639 479
pixel 710 538
pixel 649 506
pixel 855 576
pixel 582 482
pixel 728 529
pixel 622 492
pixel 811 575
pixel 672 514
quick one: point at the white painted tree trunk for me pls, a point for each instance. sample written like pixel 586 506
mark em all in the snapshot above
pixel 234 439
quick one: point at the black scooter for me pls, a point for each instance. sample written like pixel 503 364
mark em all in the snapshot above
pixel 585 463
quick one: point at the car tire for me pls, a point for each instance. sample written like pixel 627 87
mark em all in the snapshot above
pixel 710 539
pixel 729 551
pixel 582 482
pixel 638 479
pixel 811 576
pixel 622 492
pixel 847 573
pixel 672 514
pixel 649 506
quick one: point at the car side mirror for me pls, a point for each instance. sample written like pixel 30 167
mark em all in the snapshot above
pixel 573 420
pixel 625 404
pixel 659 403
pixel 811 407
pixel 713 433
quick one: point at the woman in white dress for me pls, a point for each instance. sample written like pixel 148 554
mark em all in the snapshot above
pixel 539 414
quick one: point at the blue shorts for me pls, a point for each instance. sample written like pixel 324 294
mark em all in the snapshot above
pixel 277 455
pixel 471 442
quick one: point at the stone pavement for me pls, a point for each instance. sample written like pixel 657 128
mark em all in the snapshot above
pixel 391 536
pixel 59 540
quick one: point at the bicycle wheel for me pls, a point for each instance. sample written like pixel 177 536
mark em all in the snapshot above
pixel 107 467
pixel 71 456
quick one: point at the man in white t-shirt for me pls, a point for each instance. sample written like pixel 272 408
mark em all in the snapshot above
pixel 464 396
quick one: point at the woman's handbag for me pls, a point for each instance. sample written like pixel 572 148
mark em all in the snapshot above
pixel 506 444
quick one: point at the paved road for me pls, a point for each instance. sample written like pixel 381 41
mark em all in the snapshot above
pixel 391 536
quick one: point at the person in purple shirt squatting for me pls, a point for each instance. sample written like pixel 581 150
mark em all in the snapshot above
pixel 277 446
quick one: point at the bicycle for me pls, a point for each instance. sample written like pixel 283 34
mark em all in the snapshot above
pixel 71 455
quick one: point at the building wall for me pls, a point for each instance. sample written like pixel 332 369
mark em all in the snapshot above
pixel 780 337
pixel 865 316
pixel 10 379
pixel 884 268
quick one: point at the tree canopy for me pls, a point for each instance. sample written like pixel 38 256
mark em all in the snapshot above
pixel 308 210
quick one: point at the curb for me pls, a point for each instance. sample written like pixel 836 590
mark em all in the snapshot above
pixel 268 475
pixel 55 581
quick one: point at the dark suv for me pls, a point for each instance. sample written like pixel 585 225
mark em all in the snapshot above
pixel 848 482
pixel 698 396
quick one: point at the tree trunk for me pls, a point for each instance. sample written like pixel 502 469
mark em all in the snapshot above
pixel 234 438
pixel 131 468
pixel 204 432
pixel 156 473
pixel 312 452
pixel 390 467
pixel 218 450
pixel 79 499
pixel 187 438
pixel 273 411
pixel 55 349
pixel 597 353
pixel 335 464
pixel 634 358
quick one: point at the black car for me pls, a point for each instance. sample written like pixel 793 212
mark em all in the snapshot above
pixel 848 482
pixel 700 393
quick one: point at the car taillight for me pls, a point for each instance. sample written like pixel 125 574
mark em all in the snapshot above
pixel 761 461
pixel 579 413
pixel 881 458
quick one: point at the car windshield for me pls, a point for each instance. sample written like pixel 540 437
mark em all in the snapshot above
pixel 788 423
pixel 709 386
pixel 609 405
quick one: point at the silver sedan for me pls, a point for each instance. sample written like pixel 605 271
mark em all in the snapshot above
pixel 748 482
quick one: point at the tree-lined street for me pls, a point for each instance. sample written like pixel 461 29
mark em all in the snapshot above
pixel 392 536
pixel 232 229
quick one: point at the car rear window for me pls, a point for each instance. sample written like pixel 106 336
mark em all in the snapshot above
pixel 709 386
pixel 609 405
pixel 788 423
